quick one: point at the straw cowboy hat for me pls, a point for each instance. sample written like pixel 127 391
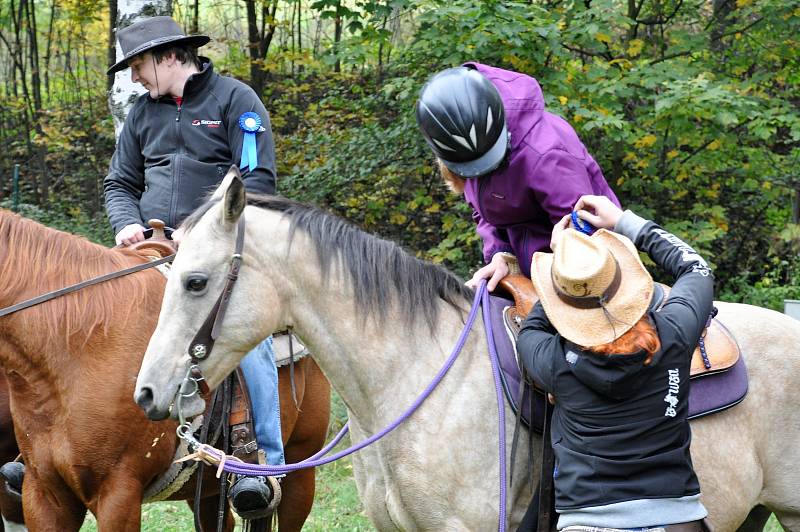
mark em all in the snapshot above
pixel 593 288
pixel 151 33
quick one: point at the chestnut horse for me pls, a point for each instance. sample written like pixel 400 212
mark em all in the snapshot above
pixel 71 365
pixel 381 324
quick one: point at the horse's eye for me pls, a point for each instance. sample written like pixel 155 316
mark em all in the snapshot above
pixel 196 283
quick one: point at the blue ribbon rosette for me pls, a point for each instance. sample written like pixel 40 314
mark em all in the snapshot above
pixel 582 225
pixel 250 123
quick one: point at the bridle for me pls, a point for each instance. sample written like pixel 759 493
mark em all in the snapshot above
pixel 203 342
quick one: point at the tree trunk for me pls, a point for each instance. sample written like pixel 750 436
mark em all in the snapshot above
pixel 337 36
pixel 300 30
pixel 723 19
pixel 196 18
pixel 124 92
pixel 111 56
pixel 33 58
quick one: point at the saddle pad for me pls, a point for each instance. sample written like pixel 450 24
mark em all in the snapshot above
pixel 285 348
pixel 715 391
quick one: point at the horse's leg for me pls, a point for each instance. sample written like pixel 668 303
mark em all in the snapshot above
pixel 789 520
pixel 47 510
pixel 310 426
pixel 209 512
pixel 119 504
pixel 756 520
pixel 11 508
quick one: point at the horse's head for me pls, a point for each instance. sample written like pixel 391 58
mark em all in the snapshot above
pixel 196 280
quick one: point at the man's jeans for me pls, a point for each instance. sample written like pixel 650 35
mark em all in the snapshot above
pixel 261 375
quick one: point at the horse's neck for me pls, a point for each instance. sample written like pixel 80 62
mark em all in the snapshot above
pixel 380 367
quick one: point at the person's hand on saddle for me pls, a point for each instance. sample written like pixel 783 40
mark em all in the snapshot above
pixel 501 265
pixel 130 234
pixel 598 211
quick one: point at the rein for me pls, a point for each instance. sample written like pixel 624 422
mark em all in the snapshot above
pixel 195 381
pixel 83 284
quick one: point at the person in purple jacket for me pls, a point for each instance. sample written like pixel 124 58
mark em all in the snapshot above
pixel 520 168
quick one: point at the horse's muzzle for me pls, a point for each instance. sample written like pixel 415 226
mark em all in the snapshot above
pixel 145 399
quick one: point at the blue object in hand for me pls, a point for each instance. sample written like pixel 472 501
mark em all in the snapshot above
pixel 582 225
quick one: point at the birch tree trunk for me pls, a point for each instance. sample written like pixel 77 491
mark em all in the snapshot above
pixel 124 92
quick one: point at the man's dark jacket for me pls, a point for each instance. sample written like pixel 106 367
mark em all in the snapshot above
pixel 619 430
pixel 169 157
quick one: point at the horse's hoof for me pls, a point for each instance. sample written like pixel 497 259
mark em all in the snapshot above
pixel 254 497
pixel 13 473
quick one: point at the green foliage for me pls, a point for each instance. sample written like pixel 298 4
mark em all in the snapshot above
pixel 356 151
pixel 691 113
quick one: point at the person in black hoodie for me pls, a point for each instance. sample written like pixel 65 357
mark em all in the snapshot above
pixel 619 370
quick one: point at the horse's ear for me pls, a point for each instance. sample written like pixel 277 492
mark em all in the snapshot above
pixel 225 183
pixel 233 201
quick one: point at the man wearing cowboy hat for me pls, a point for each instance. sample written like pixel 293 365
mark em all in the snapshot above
pixel 176 145
pixel 619 369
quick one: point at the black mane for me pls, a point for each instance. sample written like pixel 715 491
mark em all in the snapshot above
pixel 379 269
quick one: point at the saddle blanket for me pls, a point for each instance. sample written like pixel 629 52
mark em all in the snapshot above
pixel 709 393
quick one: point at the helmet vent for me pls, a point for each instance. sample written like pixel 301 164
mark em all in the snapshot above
pixel 461 140
pixel 443 146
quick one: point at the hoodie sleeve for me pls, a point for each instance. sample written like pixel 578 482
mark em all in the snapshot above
pixel 538 346
pixel 124 184
pixel 692 295
pixel 495 240
pixel 262 178
pixel 559 179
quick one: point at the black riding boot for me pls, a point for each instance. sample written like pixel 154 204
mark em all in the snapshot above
pixel 254 497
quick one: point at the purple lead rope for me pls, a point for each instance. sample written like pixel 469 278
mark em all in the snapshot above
pixel 481 295
pixel 501 410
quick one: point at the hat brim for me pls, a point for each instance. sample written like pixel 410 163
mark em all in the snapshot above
pixel 592 327
pixel 484 164
pixel 193 40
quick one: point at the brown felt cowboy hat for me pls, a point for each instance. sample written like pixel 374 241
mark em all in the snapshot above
pixel 593 288
pixel 151 33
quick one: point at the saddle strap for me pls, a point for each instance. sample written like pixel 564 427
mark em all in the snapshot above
pixel 546 488
pixel 243 442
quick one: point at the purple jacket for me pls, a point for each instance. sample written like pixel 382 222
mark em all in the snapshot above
pixel 548 170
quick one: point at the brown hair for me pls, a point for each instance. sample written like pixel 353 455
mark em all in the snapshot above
pixel 453 182
pixel 184 54
pixel 642 336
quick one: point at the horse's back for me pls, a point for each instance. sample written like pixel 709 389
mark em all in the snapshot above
pixel 746 455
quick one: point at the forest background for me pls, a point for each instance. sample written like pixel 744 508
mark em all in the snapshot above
pixel 689 106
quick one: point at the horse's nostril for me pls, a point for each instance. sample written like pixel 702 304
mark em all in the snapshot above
pixel 145 398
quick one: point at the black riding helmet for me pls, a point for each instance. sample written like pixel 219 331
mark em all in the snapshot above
pixel 463 120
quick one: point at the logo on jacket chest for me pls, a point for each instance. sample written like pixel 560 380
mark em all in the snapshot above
pixel 207 123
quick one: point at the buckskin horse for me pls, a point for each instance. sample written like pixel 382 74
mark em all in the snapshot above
pixel 381 323
pixel 71 365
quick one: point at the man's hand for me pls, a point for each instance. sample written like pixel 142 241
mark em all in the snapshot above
pixel 605 214
pixel 494 271
pixel 130 234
